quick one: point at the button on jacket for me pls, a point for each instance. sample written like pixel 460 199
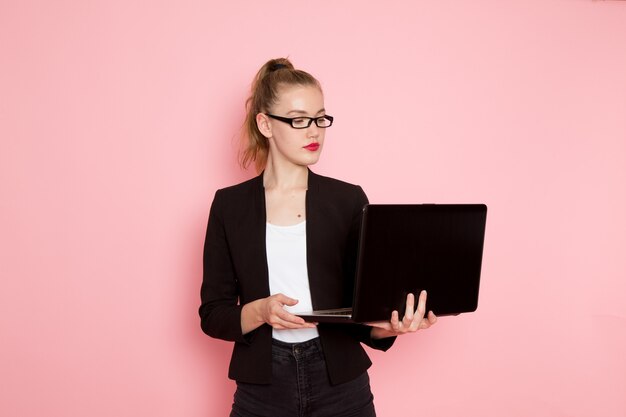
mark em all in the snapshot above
pixel 235 273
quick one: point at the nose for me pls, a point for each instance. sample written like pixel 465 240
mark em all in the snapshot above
pixel 313 131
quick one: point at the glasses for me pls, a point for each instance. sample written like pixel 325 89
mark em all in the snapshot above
pixel 304 122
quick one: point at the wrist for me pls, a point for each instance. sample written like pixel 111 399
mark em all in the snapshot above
pixel 256 308
pixel 251 317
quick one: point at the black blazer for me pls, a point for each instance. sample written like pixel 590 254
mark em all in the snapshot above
pixel 236 273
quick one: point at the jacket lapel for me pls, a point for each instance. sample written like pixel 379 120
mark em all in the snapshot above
pixel 314 221
pixel 258 233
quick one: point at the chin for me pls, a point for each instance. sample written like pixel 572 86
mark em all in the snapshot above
pixel 306 160
pixel 311 161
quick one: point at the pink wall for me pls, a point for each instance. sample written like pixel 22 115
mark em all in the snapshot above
pixel 117 122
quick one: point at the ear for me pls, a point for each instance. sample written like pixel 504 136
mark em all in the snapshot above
pixel 263 123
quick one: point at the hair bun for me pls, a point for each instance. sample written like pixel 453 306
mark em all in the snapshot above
pixel 277 66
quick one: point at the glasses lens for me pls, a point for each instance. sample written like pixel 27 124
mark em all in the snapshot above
pixel 323 121
pixel 300 122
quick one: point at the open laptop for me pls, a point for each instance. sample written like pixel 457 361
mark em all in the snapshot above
pixel 407 248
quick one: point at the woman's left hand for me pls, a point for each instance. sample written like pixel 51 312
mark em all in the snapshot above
pixel 412 321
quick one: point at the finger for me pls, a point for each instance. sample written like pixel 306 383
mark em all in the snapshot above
pixel 286 316
pixel 277 310
pixel 279 323
pixel 410 310
pixel 286 300
pixel 432 318
pixel 421 306
pixel 296 320
pixel 380 324
pixel 395 323
pixel 416 323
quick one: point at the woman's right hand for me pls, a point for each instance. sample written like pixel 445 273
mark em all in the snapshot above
pixel 271 310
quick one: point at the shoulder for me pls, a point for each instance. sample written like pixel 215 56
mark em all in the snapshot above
pixel 236 199
pixel 242 189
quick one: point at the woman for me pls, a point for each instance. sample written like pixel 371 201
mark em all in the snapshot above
pixel 285 242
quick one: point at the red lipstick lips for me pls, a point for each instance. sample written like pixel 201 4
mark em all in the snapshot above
pixel 312 146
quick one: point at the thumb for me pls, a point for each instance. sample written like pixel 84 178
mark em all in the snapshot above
pixel 286 300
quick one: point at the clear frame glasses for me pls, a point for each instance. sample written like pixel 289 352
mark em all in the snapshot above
pixel 302 122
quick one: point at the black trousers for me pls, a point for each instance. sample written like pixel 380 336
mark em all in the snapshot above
pixel 300 388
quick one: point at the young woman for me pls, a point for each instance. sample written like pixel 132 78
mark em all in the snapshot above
pixel 286 242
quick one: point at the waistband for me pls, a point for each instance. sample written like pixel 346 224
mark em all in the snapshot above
pixel 310 347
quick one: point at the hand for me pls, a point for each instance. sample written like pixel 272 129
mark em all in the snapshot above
pixel 271 311
pixel 412 321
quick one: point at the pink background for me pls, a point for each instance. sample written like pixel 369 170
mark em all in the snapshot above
pixel 118 121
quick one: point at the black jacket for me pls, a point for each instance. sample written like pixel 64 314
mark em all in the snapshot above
pixel 235 273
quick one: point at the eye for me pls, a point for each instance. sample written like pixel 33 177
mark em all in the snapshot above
pixel 323 121
pixel 300 121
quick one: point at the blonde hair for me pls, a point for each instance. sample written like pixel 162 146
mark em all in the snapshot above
pixel 264 93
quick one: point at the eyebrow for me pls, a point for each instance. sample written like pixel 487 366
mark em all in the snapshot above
pixel 322 110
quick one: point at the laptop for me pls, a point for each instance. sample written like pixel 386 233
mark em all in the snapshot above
pixel 407 248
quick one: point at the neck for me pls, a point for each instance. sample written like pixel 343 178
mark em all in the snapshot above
pixel 285 176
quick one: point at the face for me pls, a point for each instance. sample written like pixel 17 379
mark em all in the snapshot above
pixel 288 145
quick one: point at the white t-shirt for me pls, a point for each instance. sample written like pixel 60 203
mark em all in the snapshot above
pixel 286 262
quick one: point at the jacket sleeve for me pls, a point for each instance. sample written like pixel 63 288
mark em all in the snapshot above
pixel 220 312
pixel 361 332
